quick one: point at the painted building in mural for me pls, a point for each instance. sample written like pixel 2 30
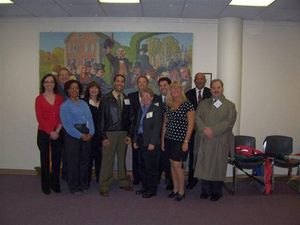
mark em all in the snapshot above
pixel 81 47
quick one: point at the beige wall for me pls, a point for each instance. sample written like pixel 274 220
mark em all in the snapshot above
pixel 270 79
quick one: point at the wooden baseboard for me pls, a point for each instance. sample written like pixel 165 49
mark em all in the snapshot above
pixel 18 172
pixel 37 171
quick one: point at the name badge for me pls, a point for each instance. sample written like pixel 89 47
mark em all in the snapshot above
pixel 157 104
pixel 127 101
pixel 218 103
pixel 149 115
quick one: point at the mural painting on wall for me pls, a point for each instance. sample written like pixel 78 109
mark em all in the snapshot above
pixel 100 56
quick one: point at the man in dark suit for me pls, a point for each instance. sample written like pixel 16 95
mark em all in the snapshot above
pixel 164 163
pixel 63 77
pixel 194 96
pixel 135 99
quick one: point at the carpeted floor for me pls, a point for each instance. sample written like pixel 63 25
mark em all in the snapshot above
pixel 22 202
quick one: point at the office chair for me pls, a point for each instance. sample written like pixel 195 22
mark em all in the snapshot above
pixel 242 163
pixel 279 148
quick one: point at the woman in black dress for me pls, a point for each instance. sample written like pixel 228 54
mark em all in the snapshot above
pixel 177 130
pixel 93 97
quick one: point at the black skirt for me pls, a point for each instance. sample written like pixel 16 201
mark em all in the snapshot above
pixel 174 151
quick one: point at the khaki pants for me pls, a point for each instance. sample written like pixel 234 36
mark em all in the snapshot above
pixel 117 144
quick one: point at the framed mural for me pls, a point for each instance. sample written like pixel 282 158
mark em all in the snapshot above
pixel 129 53
pixel 208 77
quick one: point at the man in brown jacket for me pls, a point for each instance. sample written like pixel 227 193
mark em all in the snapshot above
pixel 214 120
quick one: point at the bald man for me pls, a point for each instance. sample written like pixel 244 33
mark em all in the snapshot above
pixel 195 95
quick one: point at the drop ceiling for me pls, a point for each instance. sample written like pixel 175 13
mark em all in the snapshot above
pixel 280 10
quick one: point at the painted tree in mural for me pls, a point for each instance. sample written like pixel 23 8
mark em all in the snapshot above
pixel 154 50
pixel 190 54
pixel 171 47
pixel 50 59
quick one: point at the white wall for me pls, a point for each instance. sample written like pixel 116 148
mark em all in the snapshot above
pixel 270 79
pixel 19 73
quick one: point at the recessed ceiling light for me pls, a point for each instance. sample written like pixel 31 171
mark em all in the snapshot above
pixel 120 1
pixel 6 2
pixel 258 3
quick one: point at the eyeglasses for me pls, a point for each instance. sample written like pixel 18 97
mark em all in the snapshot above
pixel 72 88
pixel 49 82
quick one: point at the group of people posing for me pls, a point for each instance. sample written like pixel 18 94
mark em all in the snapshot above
pixel 163 130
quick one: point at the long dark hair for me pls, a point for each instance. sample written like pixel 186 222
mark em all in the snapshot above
pixel 87 91
pixel 42 88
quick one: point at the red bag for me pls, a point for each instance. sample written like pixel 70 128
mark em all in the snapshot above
pixel 247 152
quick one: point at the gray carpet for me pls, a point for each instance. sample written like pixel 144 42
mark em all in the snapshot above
pixel 22 202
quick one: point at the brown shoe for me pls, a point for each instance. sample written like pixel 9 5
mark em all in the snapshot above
pixel 104 193
pixel 127 188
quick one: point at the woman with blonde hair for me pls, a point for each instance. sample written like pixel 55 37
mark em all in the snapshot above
pixel 176 132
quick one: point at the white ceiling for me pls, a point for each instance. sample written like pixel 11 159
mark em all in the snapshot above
pixel 280 10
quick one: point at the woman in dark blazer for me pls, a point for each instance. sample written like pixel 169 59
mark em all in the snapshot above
pixel 147 141
pixel 92 98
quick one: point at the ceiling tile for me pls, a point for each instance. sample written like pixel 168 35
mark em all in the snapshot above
pixel 79 2
pixel 87 10
pixel 208 2
pixel 246 13
pixel 295 19
pixel 122 10
pixel 205 12
pixel 286 4
pixel 162 10
pixel 273 14
pixel 162 2
pixel 34 2
pixel 46 10
pixel 13 11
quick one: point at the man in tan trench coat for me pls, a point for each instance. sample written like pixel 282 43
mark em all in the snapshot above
pixel 214 120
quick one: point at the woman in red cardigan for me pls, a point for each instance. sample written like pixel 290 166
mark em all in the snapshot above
pixel 47 106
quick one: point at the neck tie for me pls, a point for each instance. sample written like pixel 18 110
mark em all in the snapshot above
pixel 199 97
pixel 164 99
pixel 119 108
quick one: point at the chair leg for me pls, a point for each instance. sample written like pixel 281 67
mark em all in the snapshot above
pixel 273 179
pixel 295 184
pixel 231 187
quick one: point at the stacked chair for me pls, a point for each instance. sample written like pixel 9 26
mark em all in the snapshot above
pixel 279 149
pixel 242 163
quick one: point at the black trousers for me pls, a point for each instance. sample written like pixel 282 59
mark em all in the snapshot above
pixel 191 177
pixel 164 166
pixel 64 174
pixel 96 156
pixel 212 187
pixel 148 166
pixel 135 164
pixel 49 179
pixel 78 157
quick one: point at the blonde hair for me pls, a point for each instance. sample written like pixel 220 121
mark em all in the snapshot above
pixel 169 99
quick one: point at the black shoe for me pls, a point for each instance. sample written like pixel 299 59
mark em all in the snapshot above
pixel 172 195
pixel 189 186
pixel 179 197
pixel 56 190
pixel 47 191
pixel 148 195
pixel 215 198
pixel 204 196
pixel 140 192
pixel 169 187
pixel 136 182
